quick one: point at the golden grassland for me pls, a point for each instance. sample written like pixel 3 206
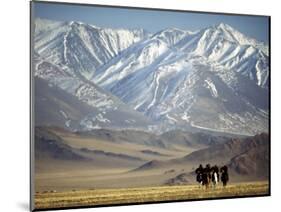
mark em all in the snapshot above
pixel 99 197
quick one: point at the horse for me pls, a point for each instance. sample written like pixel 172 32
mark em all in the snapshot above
pixel 199 175
pixel 206 176
pixel 215 175
pixel 224 175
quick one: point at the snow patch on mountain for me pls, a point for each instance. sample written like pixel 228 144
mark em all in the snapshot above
pixel 212 87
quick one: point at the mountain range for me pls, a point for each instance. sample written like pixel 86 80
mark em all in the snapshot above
pixel 245 157
pixel 214 79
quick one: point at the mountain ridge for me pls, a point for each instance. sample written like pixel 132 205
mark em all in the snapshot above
pixel 214 79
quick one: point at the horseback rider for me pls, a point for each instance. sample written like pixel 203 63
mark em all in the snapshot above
pixel 199 173
pixel 215 175
pixel 224 175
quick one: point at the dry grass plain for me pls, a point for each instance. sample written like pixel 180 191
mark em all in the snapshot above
pixel 98 197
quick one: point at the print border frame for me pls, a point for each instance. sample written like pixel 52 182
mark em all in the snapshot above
pixel 31 89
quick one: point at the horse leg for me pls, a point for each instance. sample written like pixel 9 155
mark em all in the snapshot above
pixel 207 184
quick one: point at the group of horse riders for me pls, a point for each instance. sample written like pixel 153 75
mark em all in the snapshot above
pixel 206 175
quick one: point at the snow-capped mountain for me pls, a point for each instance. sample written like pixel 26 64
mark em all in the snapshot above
pixel 226 46
pixel 77 104
pixel 207 79
pixel 81 48
pixel 66 53
pixel 215 78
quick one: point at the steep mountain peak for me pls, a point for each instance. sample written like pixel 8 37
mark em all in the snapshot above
pixel 77 24
pixel 170 35
pixel 225 32
pixel 233 35
pixel 224 26
pixel 171 30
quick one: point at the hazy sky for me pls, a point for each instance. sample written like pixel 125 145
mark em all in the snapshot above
pixel 151 20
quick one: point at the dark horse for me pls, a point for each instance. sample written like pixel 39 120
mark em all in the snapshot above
pixel 206 176
pixel 199 174
pixel 224 175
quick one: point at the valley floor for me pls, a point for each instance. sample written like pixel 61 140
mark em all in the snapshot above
pixel 98 197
